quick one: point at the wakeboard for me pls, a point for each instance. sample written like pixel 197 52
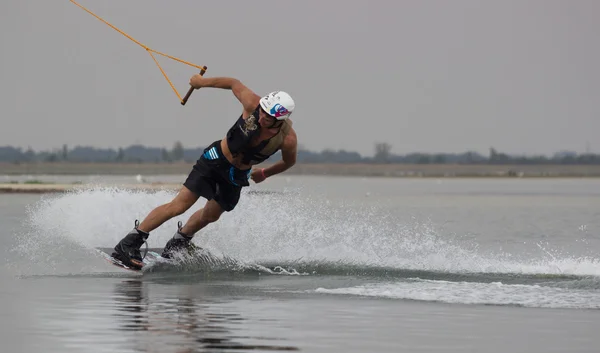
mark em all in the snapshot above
pixel 152 256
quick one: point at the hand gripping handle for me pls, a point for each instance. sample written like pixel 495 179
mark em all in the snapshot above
pixel 189 92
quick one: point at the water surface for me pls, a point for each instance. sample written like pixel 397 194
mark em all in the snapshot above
pixel 313 264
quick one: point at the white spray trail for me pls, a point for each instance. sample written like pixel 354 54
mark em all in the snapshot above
pixel 281 228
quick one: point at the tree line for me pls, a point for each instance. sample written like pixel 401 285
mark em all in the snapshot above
pixel 382 154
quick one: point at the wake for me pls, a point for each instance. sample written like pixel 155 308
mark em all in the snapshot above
pixel 270 233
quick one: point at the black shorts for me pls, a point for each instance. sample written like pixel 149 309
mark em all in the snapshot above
pixel 213 177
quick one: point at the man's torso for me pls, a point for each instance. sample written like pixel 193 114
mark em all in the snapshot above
pixel 263 136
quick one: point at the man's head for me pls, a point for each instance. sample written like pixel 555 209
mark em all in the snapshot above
pixel 275 107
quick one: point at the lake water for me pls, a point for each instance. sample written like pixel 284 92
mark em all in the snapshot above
pixel 316 264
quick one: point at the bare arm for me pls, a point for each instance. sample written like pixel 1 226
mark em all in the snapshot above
pixel 246 96
pixel 289 150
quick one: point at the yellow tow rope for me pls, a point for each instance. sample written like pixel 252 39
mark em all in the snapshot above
pixel 150 51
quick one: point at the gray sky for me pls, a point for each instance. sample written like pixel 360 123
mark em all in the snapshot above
pixel 428 76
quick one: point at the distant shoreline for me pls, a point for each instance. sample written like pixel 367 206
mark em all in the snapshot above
pixel 321 169
pixel 37 171
pixel 47 188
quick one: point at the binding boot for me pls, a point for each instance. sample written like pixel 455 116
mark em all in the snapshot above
pixel 179 242
pixel 128 249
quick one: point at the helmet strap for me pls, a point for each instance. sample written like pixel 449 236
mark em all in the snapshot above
pixel 274 123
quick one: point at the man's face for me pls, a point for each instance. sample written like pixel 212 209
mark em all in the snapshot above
pixel 265 120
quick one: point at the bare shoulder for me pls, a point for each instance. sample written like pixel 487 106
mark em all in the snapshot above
pixel 246 96
pixel 289 148
pixel 291 140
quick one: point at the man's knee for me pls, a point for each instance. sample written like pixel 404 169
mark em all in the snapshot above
pixel 211 216
pixel 182 202
pixel 212 211
pixel 177 208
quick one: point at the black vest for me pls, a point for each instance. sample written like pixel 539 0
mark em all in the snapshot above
pixel 240 136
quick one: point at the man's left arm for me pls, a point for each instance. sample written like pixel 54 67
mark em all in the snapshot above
pixel 289 150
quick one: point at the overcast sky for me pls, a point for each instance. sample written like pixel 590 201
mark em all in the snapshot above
pixel 425 76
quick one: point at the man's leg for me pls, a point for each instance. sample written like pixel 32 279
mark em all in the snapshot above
pixel 128 249
pixel 225 199
pixel 181 203
pixel 208 214
pixel 200 219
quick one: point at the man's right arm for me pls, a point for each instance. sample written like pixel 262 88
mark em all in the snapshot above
pixel 246 96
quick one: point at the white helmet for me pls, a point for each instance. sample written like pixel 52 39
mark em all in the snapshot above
pixel 278 104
